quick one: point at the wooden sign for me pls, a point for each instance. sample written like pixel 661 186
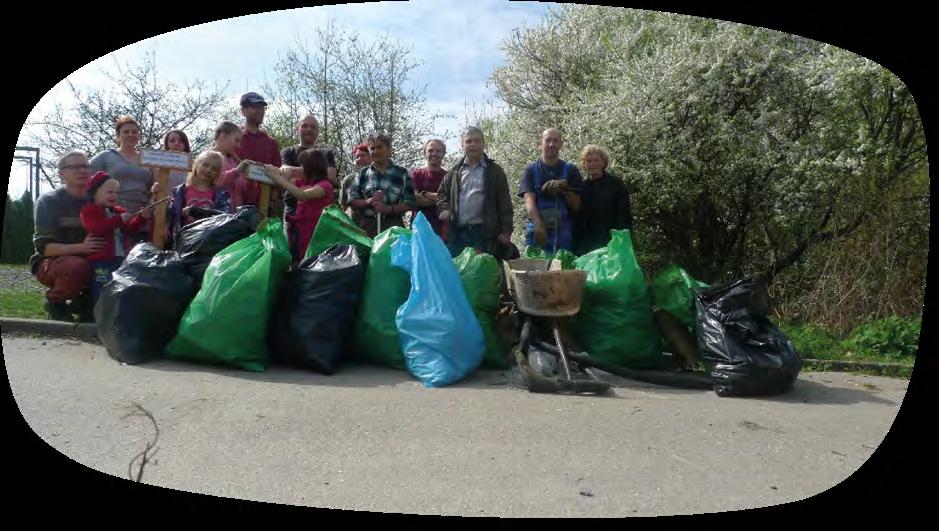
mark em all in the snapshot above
pixel 163 161
pixel 158 158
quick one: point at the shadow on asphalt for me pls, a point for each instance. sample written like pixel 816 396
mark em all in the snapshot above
pixel 356 375
pixel 350 375
pixel 802 392
pixel 809 392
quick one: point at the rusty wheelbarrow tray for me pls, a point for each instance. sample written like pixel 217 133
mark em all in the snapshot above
pixel 549 293
pixel 544 293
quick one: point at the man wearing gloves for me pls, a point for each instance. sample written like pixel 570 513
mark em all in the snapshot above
pixel 549 187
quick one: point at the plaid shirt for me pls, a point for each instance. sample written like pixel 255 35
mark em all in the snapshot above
pixel 395 184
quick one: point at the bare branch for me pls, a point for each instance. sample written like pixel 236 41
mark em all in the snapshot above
pixel 149 451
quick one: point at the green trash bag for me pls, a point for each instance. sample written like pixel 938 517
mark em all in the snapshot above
pixel 335 227
pixel 226 323
pixel 615 323
pixel 566 257
pixel 673 291
pixel 386 289
pixel 482 283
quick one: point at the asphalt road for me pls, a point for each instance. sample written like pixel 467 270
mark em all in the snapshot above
pixel 374 439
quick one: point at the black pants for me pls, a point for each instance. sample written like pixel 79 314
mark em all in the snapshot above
pixel 459 238
pixel 370 223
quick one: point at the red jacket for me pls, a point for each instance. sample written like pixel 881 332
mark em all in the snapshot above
pixel 98 223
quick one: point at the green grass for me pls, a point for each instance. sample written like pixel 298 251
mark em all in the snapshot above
pixel 891 340
pixel 21 299
pixel 22 304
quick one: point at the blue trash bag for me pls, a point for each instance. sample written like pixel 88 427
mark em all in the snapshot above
pixel 440 336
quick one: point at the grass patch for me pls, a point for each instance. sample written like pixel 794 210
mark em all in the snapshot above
pixel 22 304
pixel 890 340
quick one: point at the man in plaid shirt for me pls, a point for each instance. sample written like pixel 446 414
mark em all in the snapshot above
pixel 383 191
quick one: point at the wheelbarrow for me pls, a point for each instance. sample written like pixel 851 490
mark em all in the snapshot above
pixel 548 294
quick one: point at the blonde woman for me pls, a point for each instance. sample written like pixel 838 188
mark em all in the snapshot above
pixel 604 202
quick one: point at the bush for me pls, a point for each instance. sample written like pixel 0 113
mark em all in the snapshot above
pixel 813 341
pixel 893 337
pixel 17 230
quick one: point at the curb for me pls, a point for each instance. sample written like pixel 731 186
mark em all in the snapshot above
pixel 847 366
pixel 83 331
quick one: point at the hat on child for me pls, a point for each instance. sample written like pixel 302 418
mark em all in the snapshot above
pixel 94 182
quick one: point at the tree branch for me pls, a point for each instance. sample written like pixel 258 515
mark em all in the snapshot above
pixel 149 451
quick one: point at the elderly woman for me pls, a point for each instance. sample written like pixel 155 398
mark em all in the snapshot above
pixel 123 164
pixel 604 202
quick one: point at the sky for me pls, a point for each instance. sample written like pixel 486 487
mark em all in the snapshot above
pixel 459 49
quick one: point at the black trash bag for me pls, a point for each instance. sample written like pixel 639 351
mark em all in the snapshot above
pixel 199 241
pixel 314 319
pixel 746 354
pixel 138 311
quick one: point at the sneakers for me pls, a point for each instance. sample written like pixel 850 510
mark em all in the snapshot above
pixel 58 311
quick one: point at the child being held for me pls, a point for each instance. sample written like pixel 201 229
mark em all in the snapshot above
pixel 102 216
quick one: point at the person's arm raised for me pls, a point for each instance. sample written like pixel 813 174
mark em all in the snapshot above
pixel 229 177
pixel 314 192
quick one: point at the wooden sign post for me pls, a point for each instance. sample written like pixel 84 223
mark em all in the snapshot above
pixel 256 173
pixel 163 161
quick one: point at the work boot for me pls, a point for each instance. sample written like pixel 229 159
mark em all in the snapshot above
pixel 58 311
pixel 83 309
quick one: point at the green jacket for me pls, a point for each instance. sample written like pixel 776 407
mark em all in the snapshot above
pixel 497 203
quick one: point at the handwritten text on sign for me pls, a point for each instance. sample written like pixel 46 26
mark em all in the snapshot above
pixel 165 159
pixel 256 173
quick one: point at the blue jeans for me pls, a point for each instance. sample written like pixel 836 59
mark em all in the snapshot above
pixel 101 274
pixel 565 239
pixel 459 238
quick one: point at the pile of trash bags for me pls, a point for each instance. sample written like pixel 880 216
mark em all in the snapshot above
pixel 138 311
pixel 745 352
pixel 673 297
pixel 440 336
pixel 316 308
pixel 336 228
pixel 228 295
pixel 386 289
pixel 673 292
pixel 482 284
pixel 227 321
pixel 615 324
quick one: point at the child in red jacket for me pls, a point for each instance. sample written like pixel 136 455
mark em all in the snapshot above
pixel 101 216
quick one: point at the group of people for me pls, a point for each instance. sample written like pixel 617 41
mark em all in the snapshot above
pixel 84 229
